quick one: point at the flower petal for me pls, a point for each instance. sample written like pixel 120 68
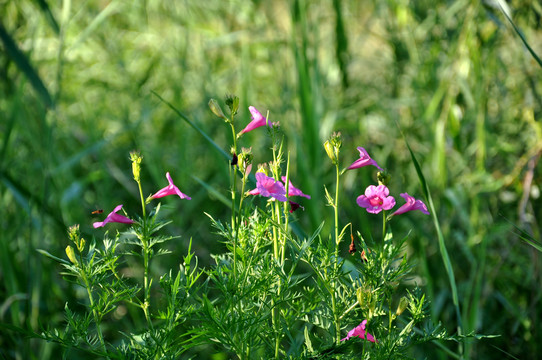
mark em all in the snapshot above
pixel 113 217
pixel 364 160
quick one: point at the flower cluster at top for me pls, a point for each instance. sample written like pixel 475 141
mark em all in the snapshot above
pixel 377 198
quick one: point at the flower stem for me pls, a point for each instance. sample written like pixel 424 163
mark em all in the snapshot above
pixel 94 311
pixel 233 172
pixel 336 260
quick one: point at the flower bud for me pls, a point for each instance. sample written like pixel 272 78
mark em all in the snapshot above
pixel 263 169
pixel 136 165
pixel 71 254
pixel 403 303
pixel 216 109
pixel 383 178
pixel 245 159
pixel 233 103
pixel 73 233
pixel 366 300
pixel 332 147
pixel 329 151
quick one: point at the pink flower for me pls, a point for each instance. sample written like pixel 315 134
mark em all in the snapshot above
pixel 171 189
pixel 257 121
pixel 267 186
pixel 114 217
pixel 376 199
pixel 411 204
pixel 364 160
pixel 359 331
pixel 293 191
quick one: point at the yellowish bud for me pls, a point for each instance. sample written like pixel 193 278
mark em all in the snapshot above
pixel 330 152
pixel 71 254
pixel 216 109
pixel 136 165
pixel 403 303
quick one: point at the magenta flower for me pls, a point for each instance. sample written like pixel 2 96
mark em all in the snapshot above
pixel 364 160
pixel 376 199
pixel 411 204
pixel 114 217
pixel 293 191
pixel 257 121
pixel 171 189
pixel 359 331
pixel 267 186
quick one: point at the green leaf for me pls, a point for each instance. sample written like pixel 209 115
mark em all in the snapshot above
pixel 23 63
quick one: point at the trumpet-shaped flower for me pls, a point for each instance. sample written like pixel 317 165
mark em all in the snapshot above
pixel 257 121
pixel 293 191
pixel 364 160
pixel 114 217
pixel 411 204
pixel 359 331
pixel 376 199
pixel 171 189
pixel 267 186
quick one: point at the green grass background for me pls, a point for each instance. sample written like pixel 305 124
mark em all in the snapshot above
pixel 76 95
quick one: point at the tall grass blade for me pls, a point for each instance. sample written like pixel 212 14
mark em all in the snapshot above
pixel 48 15
pixel 442 246
pixel 194 126
pixel 525 236
pixel 502 6
pixel 23 63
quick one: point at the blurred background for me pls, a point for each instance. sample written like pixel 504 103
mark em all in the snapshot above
pixel 78 86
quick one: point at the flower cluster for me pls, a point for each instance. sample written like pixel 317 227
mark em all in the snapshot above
pixel 377 198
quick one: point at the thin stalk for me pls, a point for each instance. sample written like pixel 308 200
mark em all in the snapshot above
pixel 142 199
pixel 336 318
pixel 286 203
pixel 94 312
pixel 233 173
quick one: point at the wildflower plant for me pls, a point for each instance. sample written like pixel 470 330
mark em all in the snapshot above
pixel 270 294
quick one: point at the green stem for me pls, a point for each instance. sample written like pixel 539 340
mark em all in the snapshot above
pixel 286 211
pixel 94 311
pixel 335 264
pixel 233 172
pixel 142 199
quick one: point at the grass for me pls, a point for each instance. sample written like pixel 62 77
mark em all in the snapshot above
pixel 78 93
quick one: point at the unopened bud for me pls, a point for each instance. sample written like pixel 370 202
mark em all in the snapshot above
pixel 73 233
pixel 233 103
pixel 263 169
pixel 136 165
pixel 71 254
pixel 245 159
pixel 403 303
pixel 330 152
pixel 383 178
pixel 216 109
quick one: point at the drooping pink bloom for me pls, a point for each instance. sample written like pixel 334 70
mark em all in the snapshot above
pixel 364 160
pixel 411 204
pixel 359 331
pixel 376 199
pixel 171 189
pixel 267 186
pixel 293 191
pixel 114 217
pixel 257 121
